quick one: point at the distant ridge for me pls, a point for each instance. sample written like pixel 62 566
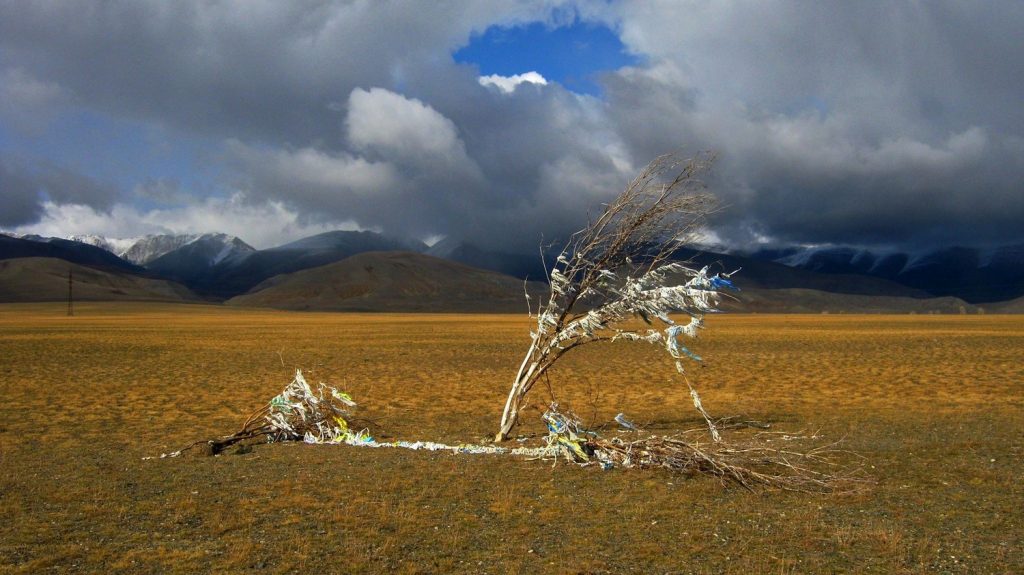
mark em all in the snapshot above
pixel 409 282
pixel 797 300
pixel 76 252
pixel 770 275
pixel 978 275
pixel 392 281
pixel 39 279
pixel 523 266
pixel 193 262
pixel 144 250
pixel 235 277
pixel 219 267
pixel 116 246
pixel 1012 306
pixel 757 273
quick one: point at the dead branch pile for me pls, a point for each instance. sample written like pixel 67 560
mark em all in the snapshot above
pixel 751 463
pixel 322 416
pixel 298 413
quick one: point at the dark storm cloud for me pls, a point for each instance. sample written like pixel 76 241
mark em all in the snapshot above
pixel 25 187
pixel 835 122
pixel 535 165
pixel 261 70
pixel 19 195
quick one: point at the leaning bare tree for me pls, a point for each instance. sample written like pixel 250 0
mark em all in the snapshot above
pixel 618 268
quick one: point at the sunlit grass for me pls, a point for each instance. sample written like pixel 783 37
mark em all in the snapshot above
pixel 935 405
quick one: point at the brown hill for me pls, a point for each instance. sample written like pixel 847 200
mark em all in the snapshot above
pixel 391 281
pixel 796 300
pixel 1012 306
pixel 404 281
pixel 36 279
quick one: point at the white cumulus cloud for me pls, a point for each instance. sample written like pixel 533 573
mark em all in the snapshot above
pixel 401 129
pixel 508 84
pixel 262 225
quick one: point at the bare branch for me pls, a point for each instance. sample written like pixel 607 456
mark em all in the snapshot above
pixel 618 268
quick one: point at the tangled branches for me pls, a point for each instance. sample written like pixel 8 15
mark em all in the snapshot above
pixel 750 464
pixel 323 416
pixel 617 269
pixel 296 414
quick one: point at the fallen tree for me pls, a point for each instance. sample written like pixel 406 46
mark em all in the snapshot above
pixel 324 415
pixel 615 270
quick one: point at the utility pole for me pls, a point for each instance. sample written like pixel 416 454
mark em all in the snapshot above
pixel 71 306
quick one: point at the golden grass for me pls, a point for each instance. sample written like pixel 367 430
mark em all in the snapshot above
pixel 935 404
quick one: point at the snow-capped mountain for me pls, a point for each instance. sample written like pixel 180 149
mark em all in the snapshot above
pixel 211 249
pixel 29 237
pixel 221 266
pixel 233 277
pixel 148 248
pixel 144 250
pixel 14 246
pixel 116 246
pixel 197 256
pixel 140 250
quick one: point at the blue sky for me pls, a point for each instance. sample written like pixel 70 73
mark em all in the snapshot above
pixel 118 152
pixel 572 55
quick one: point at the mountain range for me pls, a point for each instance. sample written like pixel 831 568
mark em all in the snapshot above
pixel 239 272
pixel 29 246
pixel 31 279
pixel 146 249
pixel 973 274
pixel 365 270
pixel 392 281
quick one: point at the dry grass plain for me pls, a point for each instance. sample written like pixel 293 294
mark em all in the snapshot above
pixel 935 404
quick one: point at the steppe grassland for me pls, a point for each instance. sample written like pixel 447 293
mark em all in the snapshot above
pixel 934 405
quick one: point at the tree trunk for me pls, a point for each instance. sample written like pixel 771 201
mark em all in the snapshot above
pixel 521 384
pixel 510 417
